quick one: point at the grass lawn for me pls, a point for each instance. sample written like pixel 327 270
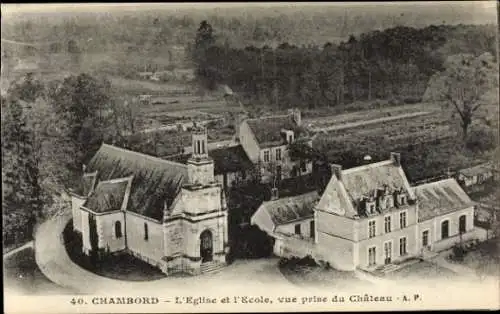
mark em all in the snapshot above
pixel 305 273
pixel 22 275
pixel 120 266
pixel 422 270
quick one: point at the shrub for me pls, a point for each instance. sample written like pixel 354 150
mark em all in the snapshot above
pixel 480 139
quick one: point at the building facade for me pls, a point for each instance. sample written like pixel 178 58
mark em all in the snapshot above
pixel 169 214
pixel 369 216
pixel 267 142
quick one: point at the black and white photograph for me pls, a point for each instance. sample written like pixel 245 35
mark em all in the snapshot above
pixel 236 157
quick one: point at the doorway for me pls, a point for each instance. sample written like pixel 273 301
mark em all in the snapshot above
pixel 206 246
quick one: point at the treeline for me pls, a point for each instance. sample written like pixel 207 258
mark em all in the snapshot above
pixel 392 64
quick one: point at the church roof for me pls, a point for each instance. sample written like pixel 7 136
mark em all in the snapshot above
pixel 268 130
pixel 440 198
pixel 156 182
pixel 226 159
pixel 107 196
pixel 285 210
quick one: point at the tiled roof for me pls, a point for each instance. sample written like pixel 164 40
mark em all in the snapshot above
pixel 155 182
pixel 363 180
pixel 439 198
pixel 108 196
pixel 268 130
pixel 289 209
pixel 88 183
pixel 479 169
pixel 342 195
pixel 226 159
pixel 230 159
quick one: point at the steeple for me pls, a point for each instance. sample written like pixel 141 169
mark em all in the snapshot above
pixel 200 165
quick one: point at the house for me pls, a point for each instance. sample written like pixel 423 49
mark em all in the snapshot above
pixel 267 141
pixel 169 214
pixel 369 216
pixel 477 175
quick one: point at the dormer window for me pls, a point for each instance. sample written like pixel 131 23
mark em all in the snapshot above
pixel 370 207
pixel 389 202
pixel 401 199
pixel 289 136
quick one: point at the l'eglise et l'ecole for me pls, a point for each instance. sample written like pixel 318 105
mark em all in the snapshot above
pixel 172 213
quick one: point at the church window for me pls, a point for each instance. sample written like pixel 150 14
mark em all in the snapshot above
pixel 146 234
pixel 118 229
pixel 203 147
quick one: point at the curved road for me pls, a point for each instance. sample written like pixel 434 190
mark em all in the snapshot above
pixel 54 262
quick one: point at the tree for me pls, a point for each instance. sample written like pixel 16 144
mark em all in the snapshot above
pixel 22 197
pixel 83 102
pixel 27 89
pixel 462 85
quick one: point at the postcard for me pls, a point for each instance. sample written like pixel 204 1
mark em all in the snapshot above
pixel 250 157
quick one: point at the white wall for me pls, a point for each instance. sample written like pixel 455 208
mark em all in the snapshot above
pixel 434 227
pixel 289 229
pixel 152 248
pixel 106 231
pixel 76 203
pixel 248 142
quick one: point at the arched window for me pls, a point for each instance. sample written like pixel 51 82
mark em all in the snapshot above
pixel 146 235
pixel 462 224
pixel 118 229
pixel 445 229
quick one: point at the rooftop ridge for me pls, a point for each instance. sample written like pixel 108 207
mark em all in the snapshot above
pixel 116 180
pixel 433 183
pixel 368 166
pixel 290 198
pixel 153 158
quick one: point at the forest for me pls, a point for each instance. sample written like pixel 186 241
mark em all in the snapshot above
pixel 396 63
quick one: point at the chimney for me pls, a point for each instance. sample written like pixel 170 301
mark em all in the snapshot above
pixel 337 171
pixel 396 159
pixel 296 115
pixel 274 194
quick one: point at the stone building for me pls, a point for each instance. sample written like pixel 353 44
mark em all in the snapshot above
pixel 267 140
pixel 369 216
pixel 169 214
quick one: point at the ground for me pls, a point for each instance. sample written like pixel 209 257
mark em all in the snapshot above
pixel 485 259
pixel 305 273
pixel 22 275
pixel 422 269
pixel 120 266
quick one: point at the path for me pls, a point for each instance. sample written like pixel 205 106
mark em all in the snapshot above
pixel 14 251
pixel 55 264
pixel 367 122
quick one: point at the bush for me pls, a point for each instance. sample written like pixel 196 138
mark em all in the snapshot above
pixel 481 139
pixel 458 253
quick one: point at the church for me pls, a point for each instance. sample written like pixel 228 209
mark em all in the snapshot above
pixel 168 214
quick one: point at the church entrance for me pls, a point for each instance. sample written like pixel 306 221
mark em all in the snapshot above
pixel 206 246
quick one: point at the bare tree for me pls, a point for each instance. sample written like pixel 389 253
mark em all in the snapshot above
pixel 463 84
